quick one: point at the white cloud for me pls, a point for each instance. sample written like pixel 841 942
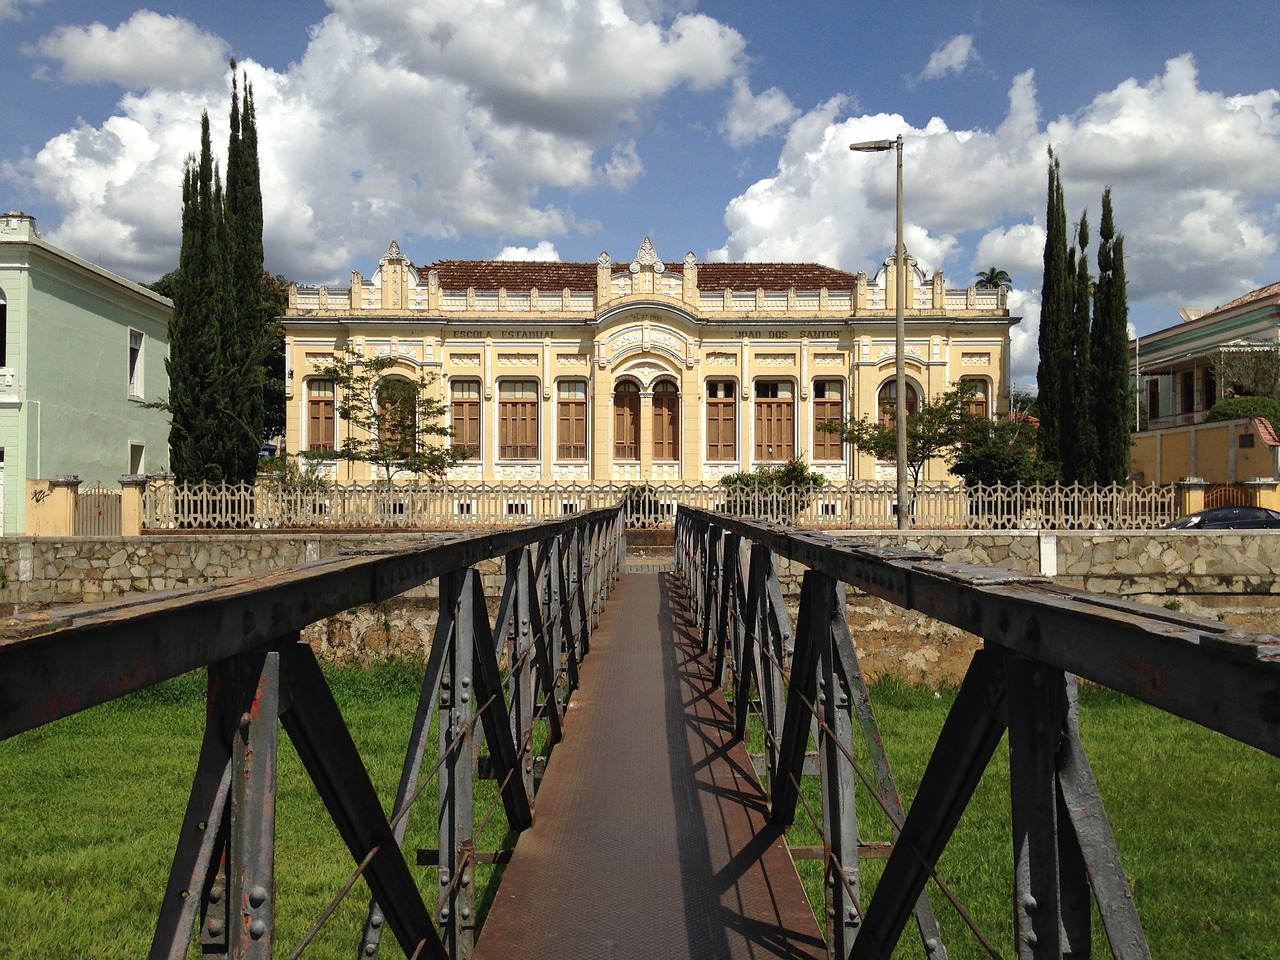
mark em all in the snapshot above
pixel 545 250
pixel 1018 249
pixel 751 117
pixel 1191 171
pixel 428 120
pixel 147 50
pixel 952 57
pixel 624 167
pixel 13 9
pixel 1024 339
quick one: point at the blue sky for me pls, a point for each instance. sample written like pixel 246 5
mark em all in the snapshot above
pixel 561 128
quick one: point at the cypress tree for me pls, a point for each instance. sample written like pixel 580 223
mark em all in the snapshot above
pixel 1079 435
pixel 1055 315
pixel 245 346
pixel 1111 352
pixel 220 333
pixel 201 309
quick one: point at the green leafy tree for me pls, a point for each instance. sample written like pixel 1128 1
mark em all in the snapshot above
pixel 1055 319
pixel 992 279
pixel 1110 345
pixel 390 418
pixel 1249 371
pixel 1236 408
pixel 275 298
pixel 932 431
pixel 1000 451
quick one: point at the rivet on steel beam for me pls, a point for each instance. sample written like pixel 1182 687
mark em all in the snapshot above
pixel 216 892
pixel 444 913
pixel 466 913
pixel 370 949
pixel 257 896
pixel 466 681
pixel 375 921
pixel 214 926
pixel 465 698
pixel 444 878
pixel 1031 939
pixel 1029 903
pixel 257 930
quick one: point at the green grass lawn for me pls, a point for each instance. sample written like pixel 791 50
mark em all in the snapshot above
pixel 89 809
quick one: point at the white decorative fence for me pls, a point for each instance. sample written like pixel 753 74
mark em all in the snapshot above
pixel 271 505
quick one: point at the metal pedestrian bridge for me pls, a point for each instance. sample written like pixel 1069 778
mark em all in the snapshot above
pixel 653 736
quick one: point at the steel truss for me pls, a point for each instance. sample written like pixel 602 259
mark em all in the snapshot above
pixel 247 634
pixel 1039 637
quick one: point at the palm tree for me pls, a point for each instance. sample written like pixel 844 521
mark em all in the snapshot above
pixel 992 278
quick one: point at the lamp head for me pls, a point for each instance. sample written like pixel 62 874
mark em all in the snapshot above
pixel 873 146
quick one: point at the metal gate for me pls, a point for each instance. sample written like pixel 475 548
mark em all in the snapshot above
pixel 1226 495
pixel 98 512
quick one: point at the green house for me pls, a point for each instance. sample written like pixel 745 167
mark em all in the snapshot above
pixel 82 354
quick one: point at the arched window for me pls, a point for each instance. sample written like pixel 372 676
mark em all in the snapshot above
pixel 626 420
pixel 397 412
pixel 885 402
pixel 666 421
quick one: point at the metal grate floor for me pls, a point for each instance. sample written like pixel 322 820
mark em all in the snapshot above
pixel 650 836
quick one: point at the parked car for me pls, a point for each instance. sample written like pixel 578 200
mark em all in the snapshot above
pixel 1229 518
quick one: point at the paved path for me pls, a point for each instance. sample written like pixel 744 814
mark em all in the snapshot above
pixel 650 837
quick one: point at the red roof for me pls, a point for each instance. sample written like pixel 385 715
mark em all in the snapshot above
pixel 557 275
pixel 1266 431
pixel 1271 290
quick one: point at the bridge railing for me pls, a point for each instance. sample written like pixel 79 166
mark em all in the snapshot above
pixel 1038 639
pixel 246 633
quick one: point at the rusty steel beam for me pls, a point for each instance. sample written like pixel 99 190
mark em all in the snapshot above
pixel 319 734
pixel 1220 677
pixel 54 665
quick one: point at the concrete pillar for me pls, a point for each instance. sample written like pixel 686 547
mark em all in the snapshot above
pixel 1264 492
pixel 132 487
pixel 1191 494
pixel 51 507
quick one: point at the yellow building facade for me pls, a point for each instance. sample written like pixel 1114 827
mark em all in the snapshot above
pixel 638 371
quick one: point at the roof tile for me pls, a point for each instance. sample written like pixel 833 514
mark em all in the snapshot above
pixel 557 275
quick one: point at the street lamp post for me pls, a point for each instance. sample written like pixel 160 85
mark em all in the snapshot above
pixel 900 336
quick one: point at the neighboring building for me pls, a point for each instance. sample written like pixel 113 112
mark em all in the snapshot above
pixel 638 372
pixel 82 351
pixel 1177 367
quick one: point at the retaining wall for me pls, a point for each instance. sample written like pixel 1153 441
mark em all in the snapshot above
pixel 1229 573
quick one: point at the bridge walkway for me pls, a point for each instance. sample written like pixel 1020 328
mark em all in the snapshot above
pixel 650 837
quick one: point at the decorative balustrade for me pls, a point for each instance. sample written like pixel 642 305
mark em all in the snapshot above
pixel 272 505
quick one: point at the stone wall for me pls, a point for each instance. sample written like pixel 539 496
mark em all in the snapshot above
pixel 1228 574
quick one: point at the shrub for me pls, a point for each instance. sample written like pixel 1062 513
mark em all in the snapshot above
pixel 1236 408
pixel 771 493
